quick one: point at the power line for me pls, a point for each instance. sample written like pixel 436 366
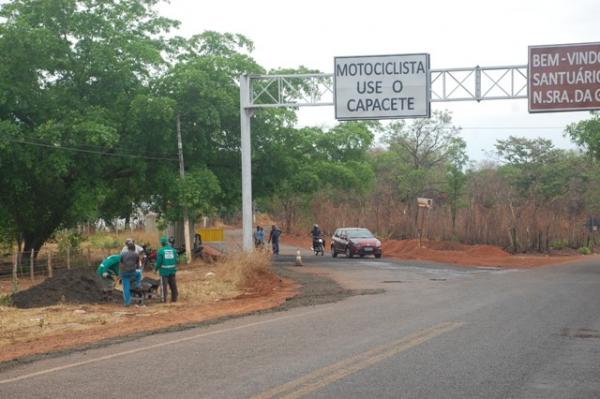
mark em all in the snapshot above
pixel 510 127
pixel 82 146
pixel 74 149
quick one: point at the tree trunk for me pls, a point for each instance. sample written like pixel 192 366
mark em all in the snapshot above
pixel 512 235
pixel 288 214
pixel 34 242
pixel 453 216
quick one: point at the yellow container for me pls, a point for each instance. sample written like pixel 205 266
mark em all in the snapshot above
pixel 211 234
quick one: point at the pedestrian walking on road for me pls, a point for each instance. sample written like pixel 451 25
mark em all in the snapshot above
pixel 274 239
pixel 259 237
pixel 166 265
pixel 129 265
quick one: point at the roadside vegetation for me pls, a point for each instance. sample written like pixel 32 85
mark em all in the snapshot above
pixel 206 291
pixel 92 91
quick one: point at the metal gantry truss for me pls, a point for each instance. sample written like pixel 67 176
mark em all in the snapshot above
pixel 294 91
pixel 455 84
pixel 479 83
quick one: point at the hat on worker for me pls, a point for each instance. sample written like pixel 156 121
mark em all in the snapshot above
pixel 129 241
pixel 163 240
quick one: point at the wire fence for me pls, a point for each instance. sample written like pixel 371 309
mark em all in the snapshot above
pixel 37 266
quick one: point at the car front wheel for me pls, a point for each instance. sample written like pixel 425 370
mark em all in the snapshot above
pixel 348 252
pixel 377 256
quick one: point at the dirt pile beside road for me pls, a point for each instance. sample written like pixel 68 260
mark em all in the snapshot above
pixel 77 286
pixel 206 293
pixel 467 255
pixel 451 252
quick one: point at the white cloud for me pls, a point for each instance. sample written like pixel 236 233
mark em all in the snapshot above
pixel 455 33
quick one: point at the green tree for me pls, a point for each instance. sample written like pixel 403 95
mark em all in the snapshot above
pixel 587 134
pixel 421 151
pixel 545 180
pixel 70 73
pixel 291 165
pixel 456 178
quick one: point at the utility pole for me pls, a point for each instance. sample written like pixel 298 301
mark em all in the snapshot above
pixel 245 122
pixel 186 216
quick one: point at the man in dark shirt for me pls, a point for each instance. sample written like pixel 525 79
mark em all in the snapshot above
pixel 130 262
pixel 274 239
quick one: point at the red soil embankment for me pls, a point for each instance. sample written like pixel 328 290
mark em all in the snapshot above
pixel 467 255
pixel 453 253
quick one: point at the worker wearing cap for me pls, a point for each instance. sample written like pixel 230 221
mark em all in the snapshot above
pixel 138 248
pixel 108 270
pixel 166 265
pixel 129 264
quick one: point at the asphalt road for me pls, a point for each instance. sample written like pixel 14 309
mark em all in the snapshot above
pixel 436 332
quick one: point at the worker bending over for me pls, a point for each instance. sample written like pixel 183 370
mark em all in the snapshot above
pixel 108 270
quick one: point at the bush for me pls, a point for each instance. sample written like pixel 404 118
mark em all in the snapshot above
pixel 584 250
pixel 105 241
pixel 67 239
pixel 559 244
pixel 5 300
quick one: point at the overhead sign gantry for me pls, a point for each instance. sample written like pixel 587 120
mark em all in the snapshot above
pixel 564 77
pixel 381 87
pixel 403 86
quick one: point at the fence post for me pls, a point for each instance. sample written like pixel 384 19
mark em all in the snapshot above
pixel 49 264
pixel 68 258
pixel 89 257
pixel 31 264
pixel 15 279
pixel 20 262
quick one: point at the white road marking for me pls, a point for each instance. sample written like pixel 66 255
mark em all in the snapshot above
pixel 154 346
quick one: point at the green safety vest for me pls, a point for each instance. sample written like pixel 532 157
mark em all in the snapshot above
pixel 166 261
pixel 109 265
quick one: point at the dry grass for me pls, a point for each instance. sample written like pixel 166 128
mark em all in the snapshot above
pixel 25 325
pixel 198 284
pixel 227 278
pixel 244 269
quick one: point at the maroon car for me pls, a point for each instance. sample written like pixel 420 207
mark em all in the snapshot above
pixel 355 241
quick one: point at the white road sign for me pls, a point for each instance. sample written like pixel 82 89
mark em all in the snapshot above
pixel 382 86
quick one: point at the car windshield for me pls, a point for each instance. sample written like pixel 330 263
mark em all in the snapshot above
pixel 359 234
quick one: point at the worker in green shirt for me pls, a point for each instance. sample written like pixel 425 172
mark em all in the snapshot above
pixel 108 269
pixel 166 265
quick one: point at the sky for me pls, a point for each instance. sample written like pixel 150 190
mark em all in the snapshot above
pixel 456 33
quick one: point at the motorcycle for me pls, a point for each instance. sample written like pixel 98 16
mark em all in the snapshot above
pixel 318 246
pixel 149 257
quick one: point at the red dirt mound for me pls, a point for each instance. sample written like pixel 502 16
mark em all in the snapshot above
pixel 453 253
pixel 466 255
pixel 487 251
pixel 410 246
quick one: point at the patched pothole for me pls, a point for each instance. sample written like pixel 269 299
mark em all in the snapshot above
pixel 580 333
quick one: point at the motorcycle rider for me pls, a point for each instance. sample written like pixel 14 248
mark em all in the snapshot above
pixel 316 235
